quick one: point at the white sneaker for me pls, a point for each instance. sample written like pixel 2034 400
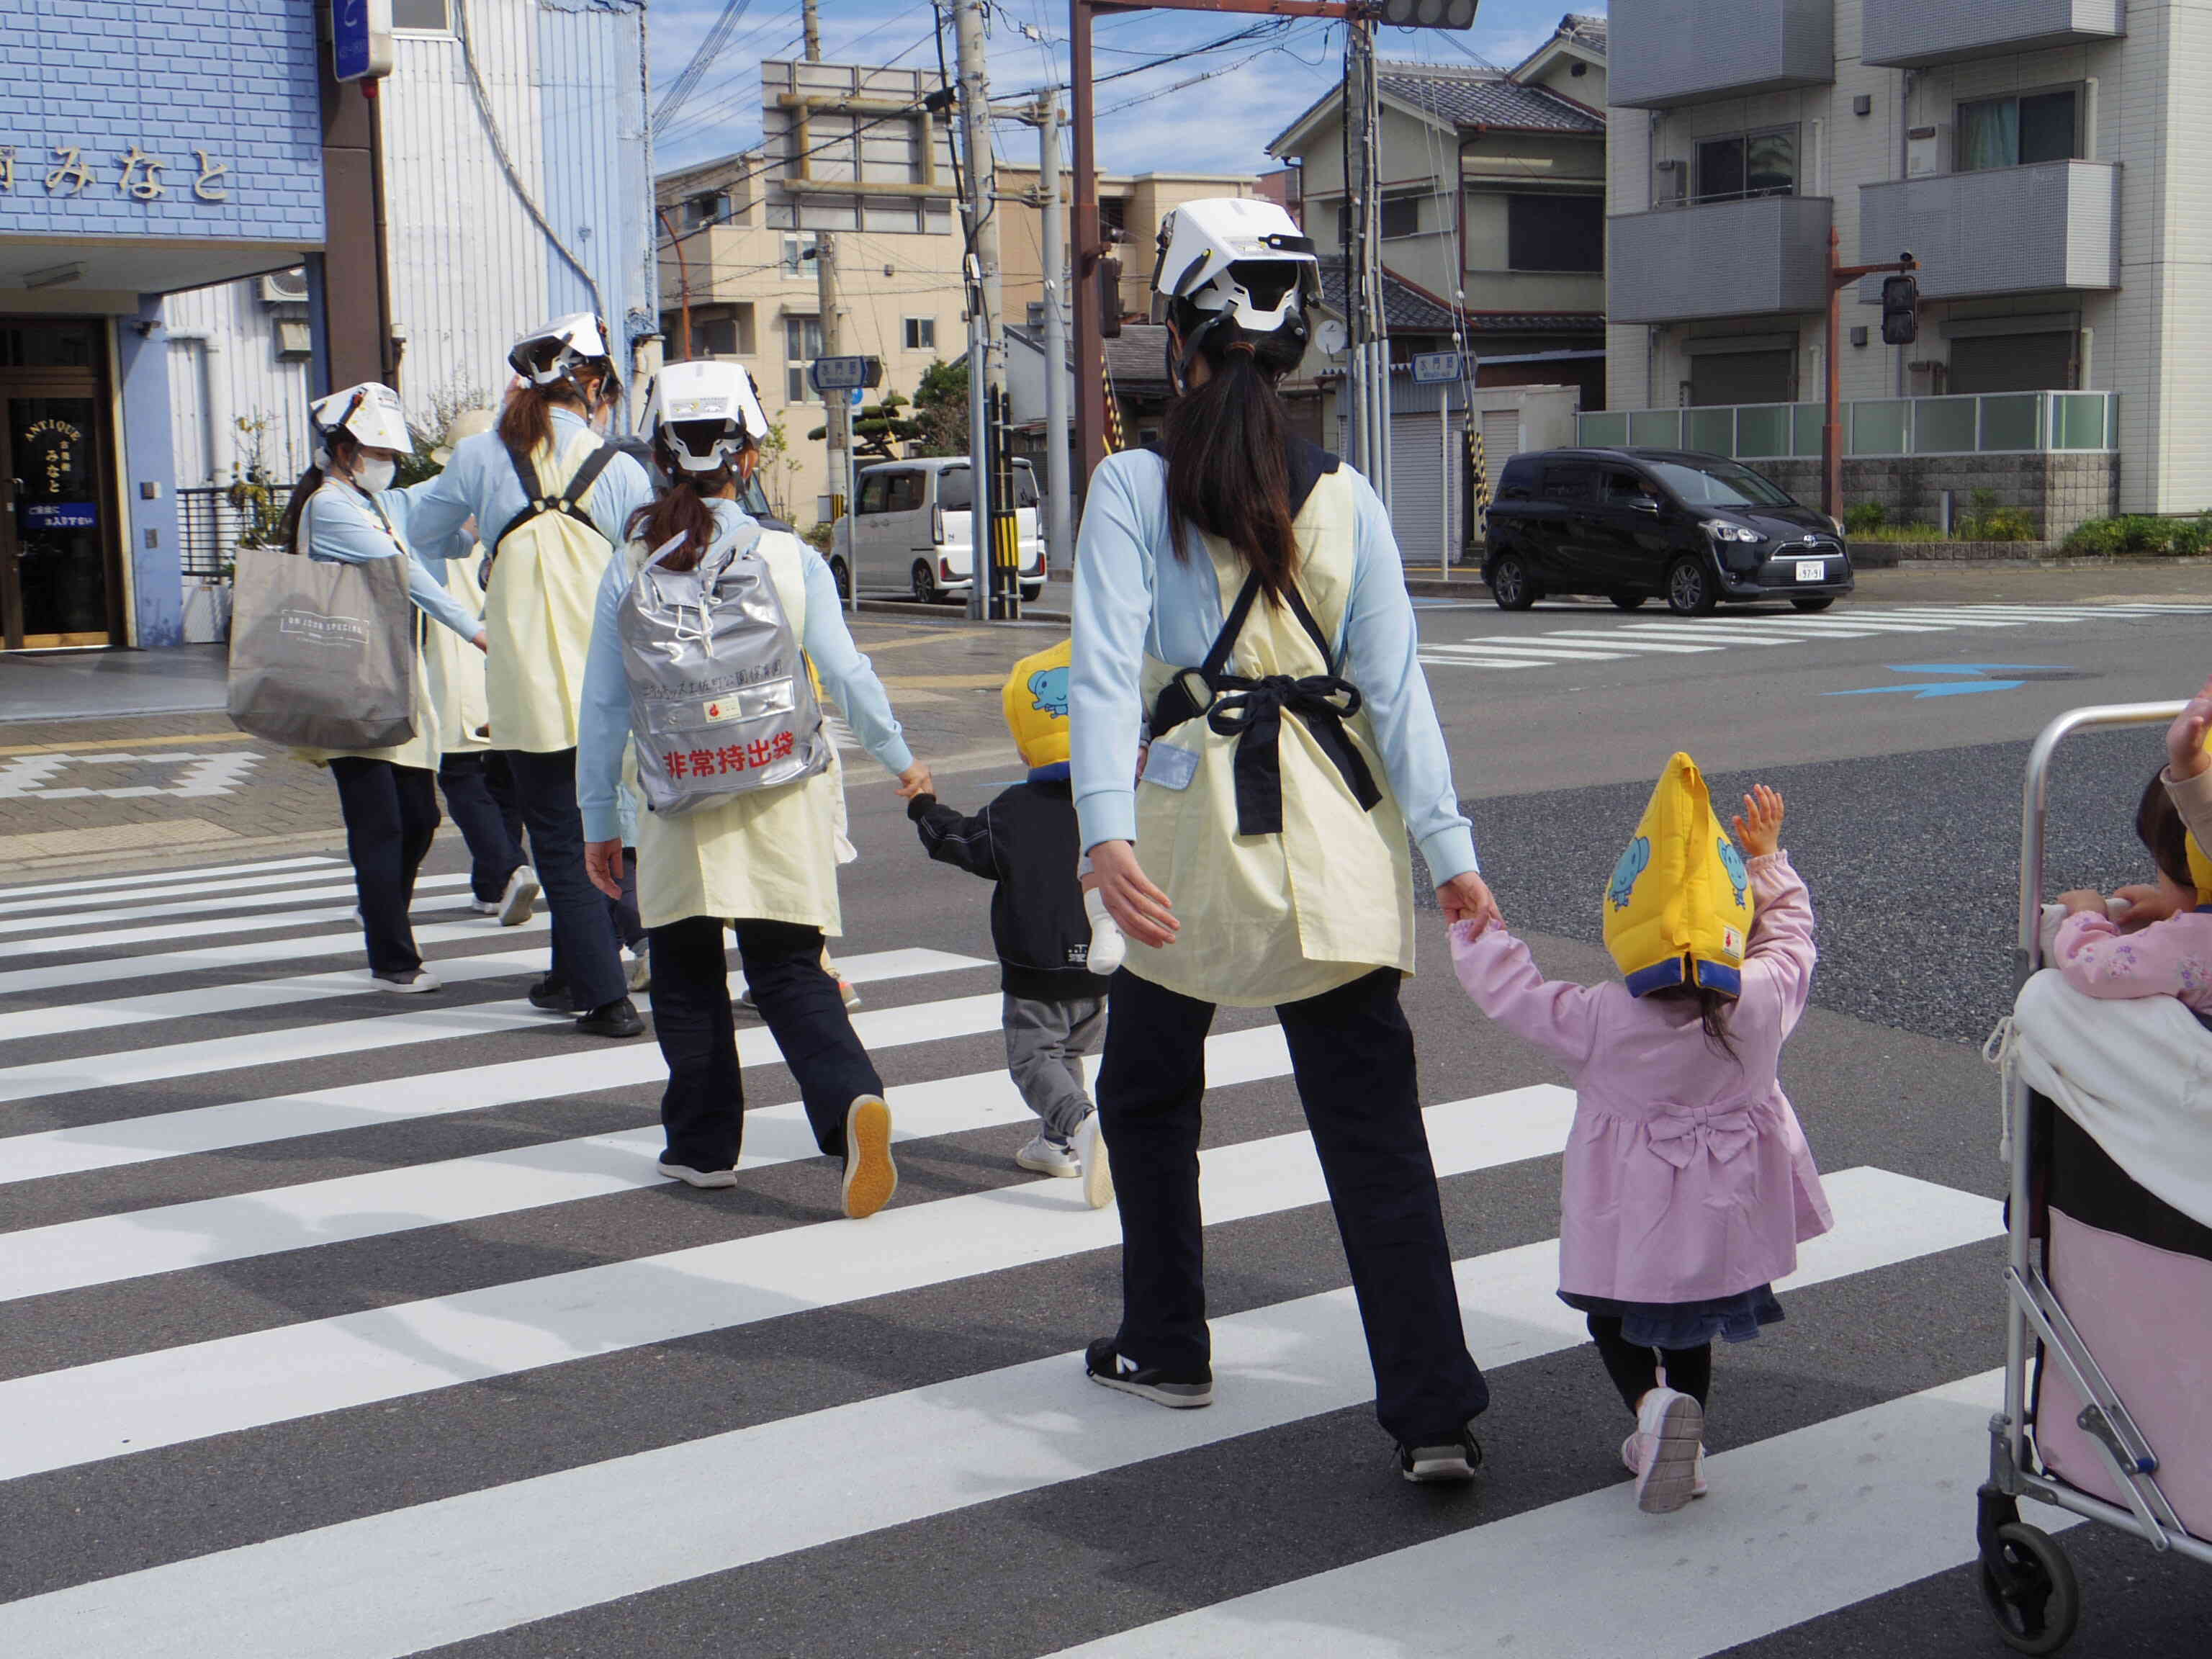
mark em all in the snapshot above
pixel 1044 1156
pixel 485 907
pixel 691 1177
pixel 1670 1428
pixel 1628 1453
pixel 521 898
pixel 416 982
pixel 637 970
pixel 1097 1173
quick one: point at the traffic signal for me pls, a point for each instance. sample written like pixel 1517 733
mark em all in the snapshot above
pixel 1900 311
pixel 1429 14
pixel 1110 296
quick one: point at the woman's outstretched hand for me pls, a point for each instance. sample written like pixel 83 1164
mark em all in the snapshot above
pixel 1759 826
pixel 2184 738
pixel 1141 910
pixel 1468 898
pixel 603 863
pixel 915 780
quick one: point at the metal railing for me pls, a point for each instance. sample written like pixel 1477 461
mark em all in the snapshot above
pixel 1991 423
pixel 206 531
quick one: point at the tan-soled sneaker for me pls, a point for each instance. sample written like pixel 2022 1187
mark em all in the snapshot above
pixel 871 1177
pixel 1670 1430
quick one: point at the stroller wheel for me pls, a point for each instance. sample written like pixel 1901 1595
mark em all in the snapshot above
pixel 2029 1588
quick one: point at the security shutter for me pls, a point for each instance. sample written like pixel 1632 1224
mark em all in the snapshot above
pixel 1424 496
pixel 2012 363
pixel 1743 377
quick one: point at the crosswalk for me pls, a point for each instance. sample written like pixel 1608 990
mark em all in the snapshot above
pixel 338 1331
pixel 1546 647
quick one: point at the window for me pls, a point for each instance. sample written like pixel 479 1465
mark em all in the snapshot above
pixel 873 489
pixel 903 493
pixel 921 334
pixel 2018 132
pixel 954 495
pixel 1740 165
pixel 798 254
pixel 1720 483
pixel 1564 483
pixel 428 14
pixel 725 337
pixel 1401 216
pixel 707 207
pixel 1555 233
pixel 802 344
pixel 1625 490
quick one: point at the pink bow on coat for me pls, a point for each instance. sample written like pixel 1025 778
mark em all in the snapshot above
pixel 1679 1135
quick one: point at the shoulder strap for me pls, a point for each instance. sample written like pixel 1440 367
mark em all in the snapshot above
pixel 570 501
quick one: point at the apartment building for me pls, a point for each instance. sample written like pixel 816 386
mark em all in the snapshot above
pixel 1132 203
pixel 848 150
pixel 2030 153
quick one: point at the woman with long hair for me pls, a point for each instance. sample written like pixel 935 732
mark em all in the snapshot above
pixel 1241 614
pixel 744 808
pixel 344 508
pixel 552 499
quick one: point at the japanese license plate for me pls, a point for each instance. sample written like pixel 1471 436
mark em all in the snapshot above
pixel 1811 570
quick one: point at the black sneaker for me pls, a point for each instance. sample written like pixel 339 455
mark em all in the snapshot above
pixel 611 1019
pixel 1455 1459
pixel 1180 1391
pixel 552 995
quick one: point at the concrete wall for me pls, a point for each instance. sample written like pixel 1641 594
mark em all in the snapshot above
pixel 1720 260
pixel 2002 230
pixel 2058 491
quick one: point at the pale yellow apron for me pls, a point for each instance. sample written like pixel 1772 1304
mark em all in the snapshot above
pixel 768 856
pixel 538 615
pixel 1271 919
pixel 457 668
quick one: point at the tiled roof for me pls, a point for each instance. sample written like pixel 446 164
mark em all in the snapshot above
pixel 1404 308
pixel 1473 97
pixel 1587 30
pixel 1135 358
pixel 1534 322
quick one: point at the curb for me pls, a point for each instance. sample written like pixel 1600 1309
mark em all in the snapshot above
pixel 949 614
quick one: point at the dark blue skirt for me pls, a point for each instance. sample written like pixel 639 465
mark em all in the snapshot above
pixel 1686 1324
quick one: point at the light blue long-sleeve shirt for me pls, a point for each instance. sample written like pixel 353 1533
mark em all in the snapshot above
pixel 603 726
pixel 479 481
pixel 342 529
pixel 1132 595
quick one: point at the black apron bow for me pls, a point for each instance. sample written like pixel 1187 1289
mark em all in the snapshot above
pixel 1252 710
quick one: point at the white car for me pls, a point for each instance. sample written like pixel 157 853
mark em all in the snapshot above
pixel 912 530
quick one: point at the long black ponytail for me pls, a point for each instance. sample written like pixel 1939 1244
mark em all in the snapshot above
pixel 1227 441
pixel 344 451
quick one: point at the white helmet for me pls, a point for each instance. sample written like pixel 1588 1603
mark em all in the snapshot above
pixel 464 425
pixel 552 353
pixel 705 412
pixel 370 412
pixel 1239 257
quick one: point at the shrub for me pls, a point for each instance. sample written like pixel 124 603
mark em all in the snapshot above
pixel 2006 524
pixel 1865 518
pixel 2142 535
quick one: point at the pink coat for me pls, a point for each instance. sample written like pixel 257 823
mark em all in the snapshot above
pixel 1686 1176
pixel 2169 958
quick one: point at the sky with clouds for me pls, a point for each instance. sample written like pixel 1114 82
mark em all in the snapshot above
pixel 1166 118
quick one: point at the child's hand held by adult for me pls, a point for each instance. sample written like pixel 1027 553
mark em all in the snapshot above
pixel 1759 826
pixel 1139 908
pixel 1468 898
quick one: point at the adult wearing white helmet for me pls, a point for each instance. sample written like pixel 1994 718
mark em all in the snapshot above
pixel 764 861
pixel 1239 600
pixel 551 498
pixel 344 508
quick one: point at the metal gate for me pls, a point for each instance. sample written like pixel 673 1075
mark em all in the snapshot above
pixel 1424 484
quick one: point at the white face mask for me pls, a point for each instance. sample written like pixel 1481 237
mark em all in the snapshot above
pixel 375 476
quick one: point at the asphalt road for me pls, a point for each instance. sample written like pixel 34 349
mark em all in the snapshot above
pixel 772 1441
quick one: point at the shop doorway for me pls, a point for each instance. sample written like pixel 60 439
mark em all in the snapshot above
pixel 59 554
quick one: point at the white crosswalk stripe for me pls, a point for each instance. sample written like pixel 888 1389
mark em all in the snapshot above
pixel 291 1319
pixel 304 869
pixel 1726 630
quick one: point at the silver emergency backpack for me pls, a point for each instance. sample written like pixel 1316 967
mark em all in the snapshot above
pixel 721 701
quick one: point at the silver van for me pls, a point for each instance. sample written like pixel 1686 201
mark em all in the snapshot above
pixel 911 530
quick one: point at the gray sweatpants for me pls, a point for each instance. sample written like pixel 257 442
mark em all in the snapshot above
pixel 1045 1045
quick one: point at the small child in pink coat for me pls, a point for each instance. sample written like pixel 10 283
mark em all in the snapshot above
pixel 2169 957
pixel 1686 1184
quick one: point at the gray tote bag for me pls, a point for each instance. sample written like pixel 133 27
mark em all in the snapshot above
pixel 322 653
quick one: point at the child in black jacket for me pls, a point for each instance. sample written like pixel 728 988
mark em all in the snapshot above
pixel 1026 842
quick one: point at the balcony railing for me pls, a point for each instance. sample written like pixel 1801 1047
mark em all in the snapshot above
pixel 1762 256
pixel 1667 52
pixel 2032 229
pixel 1917 33
pixel 1993 423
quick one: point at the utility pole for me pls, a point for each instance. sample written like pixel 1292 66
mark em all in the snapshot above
pixel 986 351
pixel 837 406
pixel 1059 542
pixel 683 290
pixel 1374 403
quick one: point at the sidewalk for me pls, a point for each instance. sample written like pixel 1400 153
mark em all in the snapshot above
pixel 75 685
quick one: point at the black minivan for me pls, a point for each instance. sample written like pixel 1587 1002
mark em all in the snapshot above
pixel 1631 523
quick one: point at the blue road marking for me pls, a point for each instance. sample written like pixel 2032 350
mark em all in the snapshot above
pixel 1973 677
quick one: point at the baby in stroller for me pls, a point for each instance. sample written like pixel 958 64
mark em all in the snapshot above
pixel 2168 951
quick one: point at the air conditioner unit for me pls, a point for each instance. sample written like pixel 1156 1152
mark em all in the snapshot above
pixel 1928 151
pixel 1669 182
pixel 284 287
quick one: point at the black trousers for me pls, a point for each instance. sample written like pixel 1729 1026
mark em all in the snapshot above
pixel 391 816
pixel 1352 1053
pixel 585 956
pixel 493 830
pixel 703 1110
pixel 1635 1369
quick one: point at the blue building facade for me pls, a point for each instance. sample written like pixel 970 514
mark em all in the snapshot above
pixel 144 149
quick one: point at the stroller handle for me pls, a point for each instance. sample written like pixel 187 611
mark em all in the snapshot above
pixel 2035 803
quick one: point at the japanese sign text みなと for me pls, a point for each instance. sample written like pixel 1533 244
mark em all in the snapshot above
pixel 72 170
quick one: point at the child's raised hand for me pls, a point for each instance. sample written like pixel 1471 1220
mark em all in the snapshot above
pixel 2184 738
pixel 1759 826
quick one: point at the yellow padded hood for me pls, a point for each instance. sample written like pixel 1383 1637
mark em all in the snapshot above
pixel 1678 910
pixel 1035 701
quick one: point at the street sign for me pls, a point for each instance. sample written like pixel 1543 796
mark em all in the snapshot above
pixel 1431 367
pixel 361 38
pixel 845 373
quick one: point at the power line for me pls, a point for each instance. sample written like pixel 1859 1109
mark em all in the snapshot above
pixel 710 48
